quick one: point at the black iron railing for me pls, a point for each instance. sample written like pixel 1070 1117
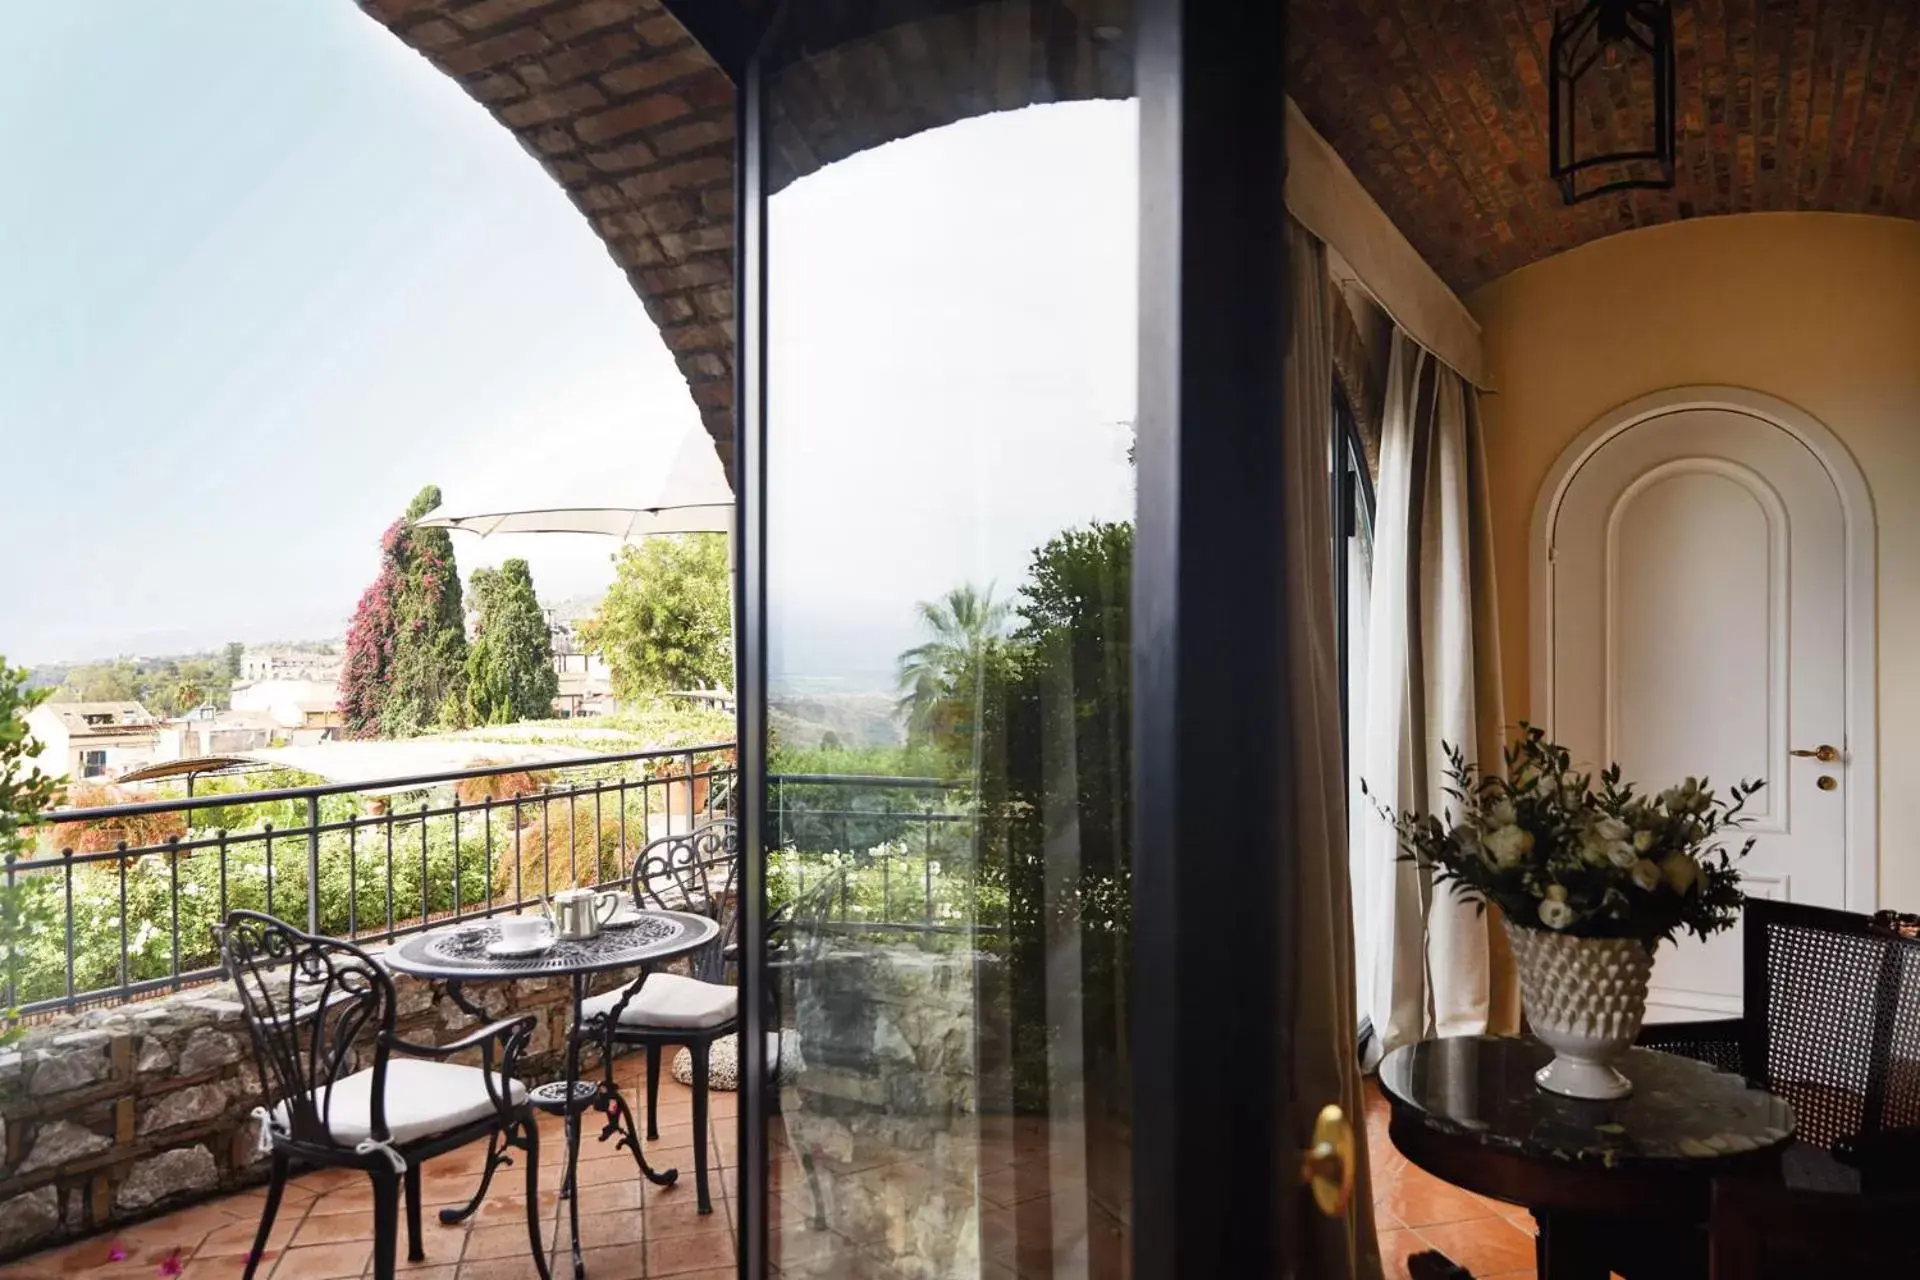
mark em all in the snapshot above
pixel 120 901
pixel 903 847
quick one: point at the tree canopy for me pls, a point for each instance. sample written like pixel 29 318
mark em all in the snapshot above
pixel 510 673
pixel 165 686
pixel 664 623
pixel 940 680
pixel 406 659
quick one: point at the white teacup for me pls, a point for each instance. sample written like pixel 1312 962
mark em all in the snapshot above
pixel 523 931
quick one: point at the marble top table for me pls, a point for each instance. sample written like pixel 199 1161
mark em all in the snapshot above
pixel 1619 1185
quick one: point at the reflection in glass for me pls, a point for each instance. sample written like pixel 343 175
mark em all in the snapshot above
pixel 951 383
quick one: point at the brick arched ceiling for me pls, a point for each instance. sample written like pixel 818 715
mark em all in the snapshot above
pixel 1440 108
pixel 628 114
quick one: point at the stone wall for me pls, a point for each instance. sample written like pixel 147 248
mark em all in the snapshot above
pixel 114 1114
pixel 888 1043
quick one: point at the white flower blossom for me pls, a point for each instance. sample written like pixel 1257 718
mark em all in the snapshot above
pixel 1642 841
pixel 1646 875
pixel 1509 845
pixel 1611 829
pixel 1555 914
pixel 1621 854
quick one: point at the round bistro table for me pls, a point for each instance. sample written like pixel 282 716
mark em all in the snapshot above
pixel 458 954
pixel 1618 1186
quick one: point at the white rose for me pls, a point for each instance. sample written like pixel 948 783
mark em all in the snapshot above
pixel 1621 854
pixel 1681 871
pixel 1642 841
pixel 1508 845
pixel 1593 850
pixel 1501 815
pixel 1646 875
pixel 1555 914
pixel 1611 829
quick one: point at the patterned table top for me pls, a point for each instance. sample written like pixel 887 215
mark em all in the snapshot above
pixel 460 951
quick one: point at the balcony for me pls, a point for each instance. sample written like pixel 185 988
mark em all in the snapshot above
pixel 129 1097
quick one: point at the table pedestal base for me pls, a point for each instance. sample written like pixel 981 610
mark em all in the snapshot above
pixel 1583 1246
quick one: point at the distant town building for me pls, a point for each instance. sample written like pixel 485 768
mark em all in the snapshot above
pixel 215 731
pixel 586 687
pixel 93 741
pixel 309 710
pixel 291 662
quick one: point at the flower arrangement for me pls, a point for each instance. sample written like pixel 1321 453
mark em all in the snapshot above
pixel 1554 852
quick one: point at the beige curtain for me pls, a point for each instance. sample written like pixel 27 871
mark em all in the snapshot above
pixel 1326 1067
pixel 1432 677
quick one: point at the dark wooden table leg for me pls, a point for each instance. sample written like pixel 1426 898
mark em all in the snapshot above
pixel 1570 1246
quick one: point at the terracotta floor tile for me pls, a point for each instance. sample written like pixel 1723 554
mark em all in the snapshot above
pixel 1419 1199
pixel 1489 1247
pixel 520 1268
pixel 601 1230
pixel 324 1262
pixel 334 1228
pixel 608 1197
pixel 238 1238
pixel 677 1254
pixel 507 1240
pixel 616 1262
pixel 352 1198
pixel 679 1216
pixel 232 1266
pixel 1395 1248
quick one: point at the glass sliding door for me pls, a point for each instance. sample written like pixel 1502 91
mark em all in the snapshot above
pixel 951 338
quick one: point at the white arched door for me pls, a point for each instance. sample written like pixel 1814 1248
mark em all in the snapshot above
pixel 1697 582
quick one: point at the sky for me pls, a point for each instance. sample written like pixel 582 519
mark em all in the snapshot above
pixel 264 272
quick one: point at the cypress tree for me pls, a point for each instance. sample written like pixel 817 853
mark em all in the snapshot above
pixel 510 673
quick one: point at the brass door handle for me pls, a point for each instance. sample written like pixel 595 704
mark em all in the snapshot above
pixel 1823 753
pixel 1327 1165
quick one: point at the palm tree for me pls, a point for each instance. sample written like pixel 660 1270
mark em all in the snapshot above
pixel 963 624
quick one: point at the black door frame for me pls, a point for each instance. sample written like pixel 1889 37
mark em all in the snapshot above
pixel 1216 1123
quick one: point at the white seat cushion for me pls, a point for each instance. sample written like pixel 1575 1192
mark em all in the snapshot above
pixel 669 1000
pixel 423 1098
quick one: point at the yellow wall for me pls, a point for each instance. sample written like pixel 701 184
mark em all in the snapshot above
pixel 1820 310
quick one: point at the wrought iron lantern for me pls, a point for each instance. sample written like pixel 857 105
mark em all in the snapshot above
pixel 1605 53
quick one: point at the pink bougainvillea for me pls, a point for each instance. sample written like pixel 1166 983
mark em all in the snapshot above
pixel 405 665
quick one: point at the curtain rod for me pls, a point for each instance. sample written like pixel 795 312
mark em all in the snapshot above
pixel 1393 319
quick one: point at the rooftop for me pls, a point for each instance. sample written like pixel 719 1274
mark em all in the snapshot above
pixel 96 717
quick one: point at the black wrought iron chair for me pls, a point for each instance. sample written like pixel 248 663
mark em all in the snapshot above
pixel 696 871
pixel 315 1008
pixel 1832 1024
pixel 1766 1232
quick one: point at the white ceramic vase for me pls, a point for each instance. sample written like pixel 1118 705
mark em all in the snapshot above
pixel 1585 998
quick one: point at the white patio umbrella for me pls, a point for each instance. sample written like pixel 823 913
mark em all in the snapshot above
pixel 695 500
pixel 629 524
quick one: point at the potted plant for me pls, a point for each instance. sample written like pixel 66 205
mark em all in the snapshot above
pixel 1590 880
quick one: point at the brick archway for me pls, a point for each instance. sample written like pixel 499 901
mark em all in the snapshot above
pixel 634 120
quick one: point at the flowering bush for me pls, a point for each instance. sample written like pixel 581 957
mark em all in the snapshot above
pixel 1552 851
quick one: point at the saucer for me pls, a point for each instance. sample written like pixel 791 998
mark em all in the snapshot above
pixel 507 949
pixel 625 919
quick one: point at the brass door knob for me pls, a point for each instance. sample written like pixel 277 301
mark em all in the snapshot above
pixel 1327 1165
pixel 1827 782
pixel 1823 753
